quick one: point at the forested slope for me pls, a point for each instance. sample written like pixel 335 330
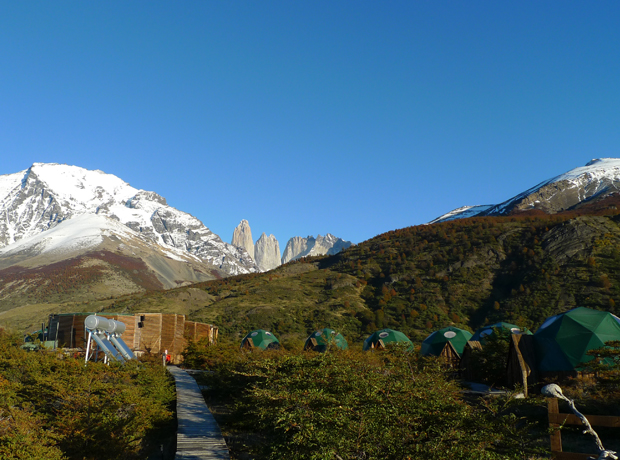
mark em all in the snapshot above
pixel 468 272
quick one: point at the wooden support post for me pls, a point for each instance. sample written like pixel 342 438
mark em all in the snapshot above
pixel 556 436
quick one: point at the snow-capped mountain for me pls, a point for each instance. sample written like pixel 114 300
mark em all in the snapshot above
pixel 67 199
pixel 597 180
pixel 463 212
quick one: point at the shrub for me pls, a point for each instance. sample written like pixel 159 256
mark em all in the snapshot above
pixel 62 408
pixel 352 405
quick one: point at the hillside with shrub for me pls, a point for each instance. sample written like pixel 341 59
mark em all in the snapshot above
pixel 521 268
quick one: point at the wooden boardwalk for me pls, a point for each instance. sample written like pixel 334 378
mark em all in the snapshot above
pixel 198 434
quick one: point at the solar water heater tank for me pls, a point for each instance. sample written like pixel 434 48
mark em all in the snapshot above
pixel 93 322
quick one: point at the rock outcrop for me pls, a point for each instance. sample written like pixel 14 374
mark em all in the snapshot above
pixel 267 253
pixel 242 237
pixel 298 247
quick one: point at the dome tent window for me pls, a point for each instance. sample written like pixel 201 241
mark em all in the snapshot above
pixel 490 329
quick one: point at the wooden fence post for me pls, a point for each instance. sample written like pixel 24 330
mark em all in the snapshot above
pixel 556 436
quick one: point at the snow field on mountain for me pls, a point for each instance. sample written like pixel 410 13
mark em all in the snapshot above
pixel 81 232
pixel 45 196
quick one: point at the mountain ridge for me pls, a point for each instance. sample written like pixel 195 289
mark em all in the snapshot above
pixel 57 220
pixel 598 179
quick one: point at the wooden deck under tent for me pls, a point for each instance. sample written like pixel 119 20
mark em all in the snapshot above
pixel 145 332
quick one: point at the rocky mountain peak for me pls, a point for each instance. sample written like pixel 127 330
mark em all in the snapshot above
pixel 298 247
pixel 267 252
pixel 144 196
pixel 595 181
pixel 242 237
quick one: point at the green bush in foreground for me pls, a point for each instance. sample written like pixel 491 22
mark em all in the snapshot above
pixel 353 405
pixel 61 409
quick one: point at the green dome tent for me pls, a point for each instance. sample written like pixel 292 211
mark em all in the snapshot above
pixel 381 338
pixel 488 330
pixel 321 339
pixel 261 339
pixel 562 342
pixel 434 344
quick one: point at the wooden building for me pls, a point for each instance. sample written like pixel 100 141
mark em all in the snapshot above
pixel 144 332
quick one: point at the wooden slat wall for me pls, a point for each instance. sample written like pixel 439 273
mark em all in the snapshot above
pixel 168 326
pixel 451 356
pixel 150 334
pixel 70 331
pixel 190 330
pixel 204 331
pixel 179 337
pixel 52 327
pixel 465 366
pixel 79 333
pixel 130 328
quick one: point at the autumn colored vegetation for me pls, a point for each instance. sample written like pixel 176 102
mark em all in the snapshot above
pixel 71 278
pixel 466 273
pixel 56 407
pixel 352 405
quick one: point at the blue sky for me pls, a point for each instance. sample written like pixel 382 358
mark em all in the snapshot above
pixel 348 117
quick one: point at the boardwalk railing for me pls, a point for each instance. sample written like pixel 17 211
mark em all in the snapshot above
pixel 556 419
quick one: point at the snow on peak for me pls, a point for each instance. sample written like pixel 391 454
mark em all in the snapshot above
pixel 79 185
pixel 462 213
pixel 81 232
pixel 598 176
pixel 601 160
pixel 599 168
pixel 46 194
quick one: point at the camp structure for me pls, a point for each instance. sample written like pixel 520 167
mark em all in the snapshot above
pixel 261 340
pixel 145 333
pixel 106 335
pixel 380 339
pixel 322 339
pixel 465 365
pixel 485 331
pixel 521 370
pixel 563 341
pixel 448 342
